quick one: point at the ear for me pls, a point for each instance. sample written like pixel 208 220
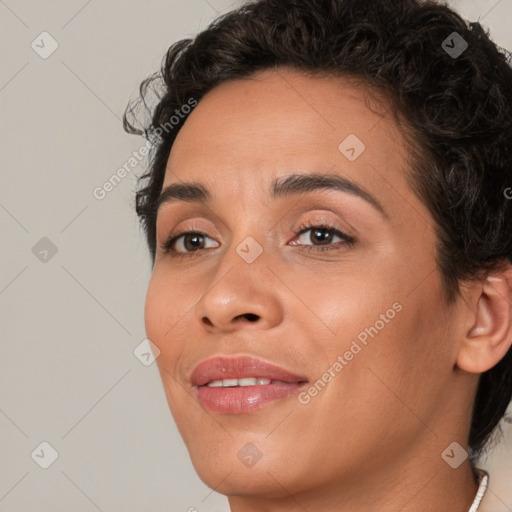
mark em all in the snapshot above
pixel 488 334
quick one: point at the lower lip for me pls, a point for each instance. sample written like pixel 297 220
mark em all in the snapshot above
pixel 242 399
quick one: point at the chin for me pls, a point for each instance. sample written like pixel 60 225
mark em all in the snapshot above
pixel 227 475
pixel 253 482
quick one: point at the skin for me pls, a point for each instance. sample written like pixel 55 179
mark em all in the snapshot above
pixel 372 439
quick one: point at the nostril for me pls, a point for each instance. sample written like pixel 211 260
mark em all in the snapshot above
pixel 250 316
pixel 206 320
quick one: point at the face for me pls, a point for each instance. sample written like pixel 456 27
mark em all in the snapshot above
pixel 335 285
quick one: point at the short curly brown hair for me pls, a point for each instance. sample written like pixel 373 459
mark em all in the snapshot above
pixel 457 108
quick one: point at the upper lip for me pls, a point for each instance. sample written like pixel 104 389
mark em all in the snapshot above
pixel 225 367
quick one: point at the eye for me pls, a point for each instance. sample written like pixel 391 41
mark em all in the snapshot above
pixel 188 243
pixel 323 234
pixel 184 242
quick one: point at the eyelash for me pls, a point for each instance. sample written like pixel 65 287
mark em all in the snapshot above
pixel 303 228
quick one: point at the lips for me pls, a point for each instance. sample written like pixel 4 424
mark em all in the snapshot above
pixel 220 368
pixel 235 385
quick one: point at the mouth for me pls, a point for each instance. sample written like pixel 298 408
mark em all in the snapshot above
pixel 234 385
pixel 244 382
pixel 243 399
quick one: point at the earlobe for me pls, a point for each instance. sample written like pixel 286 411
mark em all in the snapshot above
pixel 490 335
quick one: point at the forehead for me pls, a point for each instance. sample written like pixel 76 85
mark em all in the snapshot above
pixel 246 133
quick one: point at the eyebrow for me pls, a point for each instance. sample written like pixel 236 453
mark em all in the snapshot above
pixel 281 187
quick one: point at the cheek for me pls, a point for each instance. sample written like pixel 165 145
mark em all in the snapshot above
pixel 164 311
pixel 154 311
pixel 343 301
pixel 406 364
pixel 168 302
pixel 398 335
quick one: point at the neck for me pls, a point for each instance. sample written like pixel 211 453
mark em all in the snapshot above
pixel 423 484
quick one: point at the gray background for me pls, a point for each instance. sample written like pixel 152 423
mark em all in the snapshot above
pixel 70 321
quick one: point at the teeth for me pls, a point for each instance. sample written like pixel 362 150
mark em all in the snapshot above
pixel 246 381
pixel 227 383
pixel 215 384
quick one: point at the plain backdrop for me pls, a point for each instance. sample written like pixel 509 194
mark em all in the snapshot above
pixel 74 268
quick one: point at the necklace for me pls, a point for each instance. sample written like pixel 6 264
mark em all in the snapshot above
pixel 483 479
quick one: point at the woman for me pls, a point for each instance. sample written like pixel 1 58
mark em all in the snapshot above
pixel 328 215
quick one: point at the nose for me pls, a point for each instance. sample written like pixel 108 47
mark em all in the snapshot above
pixel 251 317
pixel 242 299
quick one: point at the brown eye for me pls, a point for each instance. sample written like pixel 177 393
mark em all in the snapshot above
pixel 322 236
pixel 185 242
